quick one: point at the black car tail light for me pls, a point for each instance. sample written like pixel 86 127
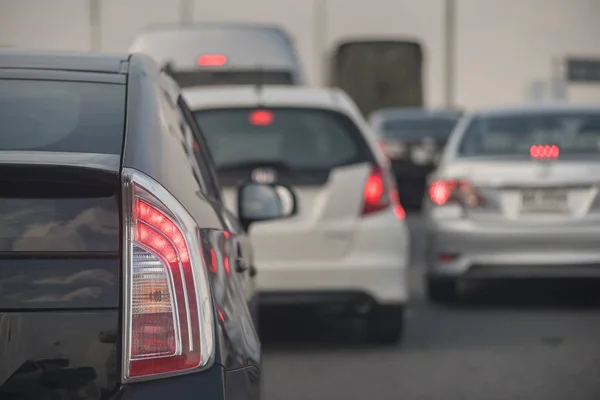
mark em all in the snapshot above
pixel 168 318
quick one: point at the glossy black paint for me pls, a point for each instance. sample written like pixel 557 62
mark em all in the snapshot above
pixel 60 281
pixel 58 355
pixel 60 318
pixel 159 145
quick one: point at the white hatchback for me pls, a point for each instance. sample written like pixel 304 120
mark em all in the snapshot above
pixel 347 248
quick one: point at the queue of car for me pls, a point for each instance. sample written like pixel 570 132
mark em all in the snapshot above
pixel 158 200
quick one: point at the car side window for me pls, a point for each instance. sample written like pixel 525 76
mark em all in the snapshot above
pixel 201 152
pixel 178 128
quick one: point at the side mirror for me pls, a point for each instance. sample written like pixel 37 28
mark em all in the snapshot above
pixel 265 202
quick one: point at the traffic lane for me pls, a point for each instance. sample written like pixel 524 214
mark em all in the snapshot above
pixel 525 340
pixel 548 350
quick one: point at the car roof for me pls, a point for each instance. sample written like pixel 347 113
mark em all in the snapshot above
pixel 414 112
pixel 64 61
pixel 173 26
pixel 536 108
pixel 267 96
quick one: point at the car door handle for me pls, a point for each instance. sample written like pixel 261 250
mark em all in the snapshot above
pixel 241 265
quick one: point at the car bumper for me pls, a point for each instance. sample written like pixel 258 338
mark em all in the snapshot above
pixel 465 249
pixel 384 283
pixel 216 383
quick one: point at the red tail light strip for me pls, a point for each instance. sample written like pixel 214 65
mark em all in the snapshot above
pixel 379 193
pixel 168 317
pixel 459 191
pixel 544 151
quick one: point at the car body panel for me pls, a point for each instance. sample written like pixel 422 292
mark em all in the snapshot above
pixel 149 140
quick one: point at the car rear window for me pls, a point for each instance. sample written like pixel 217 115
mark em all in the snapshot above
pixel 575 134
pixel 221 78
pixel 438 128
pixel 298 137
pixel 61 116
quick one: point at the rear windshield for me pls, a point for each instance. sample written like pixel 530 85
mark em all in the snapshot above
pixel 61 116
pixel 300 138
pixel 576 134
pixel 438 128
pixel 220 78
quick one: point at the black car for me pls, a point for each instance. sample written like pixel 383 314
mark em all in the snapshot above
pixel 413 139
pixel 121 272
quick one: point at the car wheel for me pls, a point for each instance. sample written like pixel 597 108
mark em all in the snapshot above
pixel 385 324
pixel 442 290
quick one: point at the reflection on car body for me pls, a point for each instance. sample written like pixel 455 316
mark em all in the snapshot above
pixel 516 196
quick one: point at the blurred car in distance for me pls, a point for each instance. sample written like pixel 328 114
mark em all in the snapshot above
pixel 516 196
pixel 222 53
pixel 347 248
pixel 413 139
pixel 124 274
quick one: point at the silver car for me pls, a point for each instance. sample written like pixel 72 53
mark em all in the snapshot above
pixel 516 195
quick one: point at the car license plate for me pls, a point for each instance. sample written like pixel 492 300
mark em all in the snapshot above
pixel 544 201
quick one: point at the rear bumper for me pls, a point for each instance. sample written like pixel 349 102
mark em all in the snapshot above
pixel 384 283
pixel 215 383
pixel 375 264
pixel 464 249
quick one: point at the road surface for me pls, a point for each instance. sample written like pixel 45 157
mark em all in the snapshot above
pixel 535 341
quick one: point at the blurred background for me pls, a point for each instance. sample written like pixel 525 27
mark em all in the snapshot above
pixel 475 53
pixel 519 341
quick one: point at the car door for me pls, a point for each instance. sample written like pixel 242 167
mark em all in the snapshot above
pixel 242 257
pixel 240 346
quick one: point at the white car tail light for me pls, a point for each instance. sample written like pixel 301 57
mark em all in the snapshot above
pixel 379 193
pixel 168 320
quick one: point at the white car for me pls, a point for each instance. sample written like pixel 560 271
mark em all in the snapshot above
pixel 347 248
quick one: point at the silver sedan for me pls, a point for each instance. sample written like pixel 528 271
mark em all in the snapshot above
pixel 516 195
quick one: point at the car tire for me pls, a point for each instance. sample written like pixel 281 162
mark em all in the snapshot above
pixel 385 325
pixel 442 290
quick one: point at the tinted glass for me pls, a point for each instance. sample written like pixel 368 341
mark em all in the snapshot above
pixel 218 78
pixel 50 217
pixel 418 128
pixel 576 134
pixel 299 138
pixel 62 116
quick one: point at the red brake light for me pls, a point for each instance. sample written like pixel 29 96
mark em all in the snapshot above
pixel 445 191
pixel 212 60
pixel 261 117
pixel 544 151
pixel 439 192
pixel 379 193
pixel 167 294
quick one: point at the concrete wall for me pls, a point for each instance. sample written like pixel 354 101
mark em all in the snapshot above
pixel 503 46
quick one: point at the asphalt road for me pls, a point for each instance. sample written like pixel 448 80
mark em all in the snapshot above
pixel 530 341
